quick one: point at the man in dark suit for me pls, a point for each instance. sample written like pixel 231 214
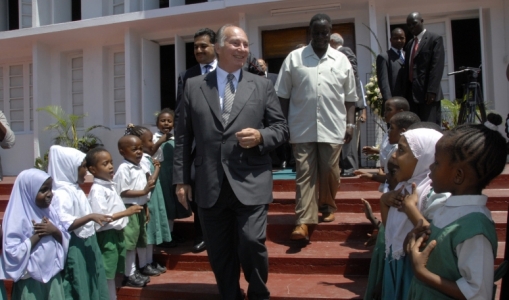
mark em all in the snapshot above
pixel 349 161
pixel 424 67
pixel 204 40
pixel 235 119
pixel 390 68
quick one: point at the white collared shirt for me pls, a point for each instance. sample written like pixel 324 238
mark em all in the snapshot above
pixel 130 177
pixel 475 255
pixel 419 39
pixel 105 200
pixel 222 80
pixel 212 65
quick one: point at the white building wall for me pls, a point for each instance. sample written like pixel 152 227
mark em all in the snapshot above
pixel 99 34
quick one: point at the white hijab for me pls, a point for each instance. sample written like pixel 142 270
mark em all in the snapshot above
pixel 422 142
pixel 45 259
pixel 69 200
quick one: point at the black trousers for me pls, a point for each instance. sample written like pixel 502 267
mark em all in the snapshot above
pixel 235 236
pixel 427 112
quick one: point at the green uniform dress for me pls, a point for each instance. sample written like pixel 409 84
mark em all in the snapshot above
pixel 443 260
pixel 174 210
pixel 376 267
pixel 158 230
pixel 84 275
pixel 31 289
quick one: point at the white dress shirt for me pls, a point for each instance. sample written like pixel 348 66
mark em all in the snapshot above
pixel 105 200
pixel 212 65
pixel 130 177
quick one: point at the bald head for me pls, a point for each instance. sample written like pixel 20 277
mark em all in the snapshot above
pixel 128 141
pixel 336 40
pixel 415 24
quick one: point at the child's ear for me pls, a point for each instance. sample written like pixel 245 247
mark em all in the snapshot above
pixel 459 176
pixel 92 170
pixel 121 151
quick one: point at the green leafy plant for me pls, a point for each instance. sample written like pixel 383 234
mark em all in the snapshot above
pixel 66 126
pixel 451 111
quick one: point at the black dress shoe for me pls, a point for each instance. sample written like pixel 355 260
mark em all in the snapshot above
pixel 148 270
pixel 133 281
pixel 146 279
pixel 171 244
pixel 158 267
pixel 347 175
pixel 199 246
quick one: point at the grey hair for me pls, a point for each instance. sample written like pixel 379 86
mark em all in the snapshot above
pixel 337 38
pixel 220 36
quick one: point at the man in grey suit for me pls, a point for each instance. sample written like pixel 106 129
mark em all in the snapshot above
pixel 390 68
pixel 235 119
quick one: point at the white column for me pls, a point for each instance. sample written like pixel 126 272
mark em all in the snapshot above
pixel 93 8
pixel 62 11
pixel 132 5
pixel 41 12
pixel 132 76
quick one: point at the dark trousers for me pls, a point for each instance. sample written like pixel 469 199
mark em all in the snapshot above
pixel 427 112
pixel 235 236
pixel 349 159
pixel 198 234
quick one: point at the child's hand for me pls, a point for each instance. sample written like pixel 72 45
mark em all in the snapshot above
pixel 100 218
pixel 134 209
pixel 368 150
pixel 151 183
pixel 156 163
pixel 419 259
pixel 44 228
pixel 419 230
pixel 409 200
pixel 147 215
pixel 392 198
pixel 364 175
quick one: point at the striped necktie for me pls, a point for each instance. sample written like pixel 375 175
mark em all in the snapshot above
pixel 229 95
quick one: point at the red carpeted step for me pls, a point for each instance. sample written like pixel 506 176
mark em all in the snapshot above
pixel 202 286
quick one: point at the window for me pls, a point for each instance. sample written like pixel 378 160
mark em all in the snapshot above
pixel 13 14
pixel 118 7
pixel 76 10
pixel 26 13
pixel 16 98
pixel 119 88
pixel 77 87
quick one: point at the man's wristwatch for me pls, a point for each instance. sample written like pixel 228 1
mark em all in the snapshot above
pixel 350 125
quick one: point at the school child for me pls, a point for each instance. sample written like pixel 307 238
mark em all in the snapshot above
pixel 415 153
pixel 104 199
pixel 458 261
pixel 399 123
pixel 35 242
pixel 83 274
pixel 174 210
pixel 392 106
pixel 158 230
pixel 133 187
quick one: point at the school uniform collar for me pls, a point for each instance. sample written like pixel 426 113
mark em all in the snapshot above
pixel 131 165
pixel 103 182
pixel 466 200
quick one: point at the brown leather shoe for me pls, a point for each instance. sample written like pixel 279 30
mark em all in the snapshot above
pixel 328 217
pixel 300 233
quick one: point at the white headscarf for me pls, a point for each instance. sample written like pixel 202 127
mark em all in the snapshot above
pixel 69 200
pixel 422 142
pixel 45 259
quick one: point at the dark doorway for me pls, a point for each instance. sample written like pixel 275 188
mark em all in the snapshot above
pixel 167 67
pixel 164 3
pixel 466 46
pixel 276 44
pixel 190 59
pixel 194 1
pixel 13 7
pixel 76 10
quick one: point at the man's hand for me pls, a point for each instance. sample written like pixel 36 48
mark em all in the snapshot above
pixel 369 150
pixel 363 117
pixel 184 193
pixel 348 135
pixel 430 98
pixel 249 138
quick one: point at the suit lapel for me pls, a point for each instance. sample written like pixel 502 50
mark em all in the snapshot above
pixel 209 90
pixel 244 90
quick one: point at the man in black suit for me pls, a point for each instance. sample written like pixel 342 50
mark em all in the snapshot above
pixel 236 120
pixel 349 161
pixel 424 65
pixel 270 76
pixel 390 68
pixel 204 40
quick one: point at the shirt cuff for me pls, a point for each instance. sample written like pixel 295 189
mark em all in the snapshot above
pixel 465 288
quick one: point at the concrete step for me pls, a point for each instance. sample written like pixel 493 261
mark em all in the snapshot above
pixel 189 285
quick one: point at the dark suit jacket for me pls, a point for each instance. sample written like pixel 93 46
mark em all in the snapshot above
pixel 183 77
pixel 353 61
pixel 390 74
pixel 428 67
pixel 218 154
